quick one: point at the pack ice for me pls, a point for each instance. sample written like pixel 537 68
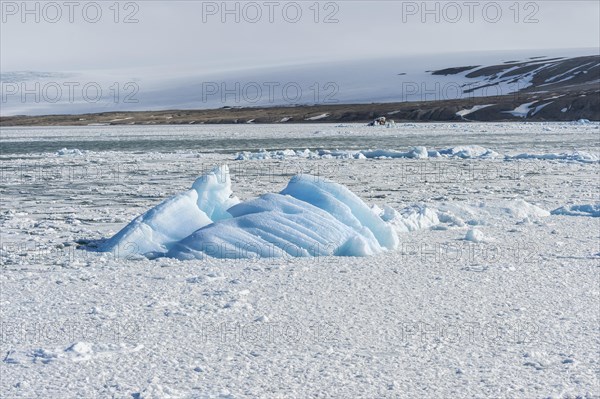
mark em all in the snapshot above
pixel 310 217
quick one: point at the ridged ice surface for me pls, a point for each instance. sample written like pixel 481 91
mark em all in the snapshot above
pixel 310 217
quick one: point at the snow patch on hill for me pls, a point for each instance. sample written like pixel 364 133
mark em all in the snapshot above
pixel 465 112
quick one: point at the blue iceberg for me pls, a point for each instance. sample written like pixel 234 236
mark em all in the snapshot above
pixel 312 216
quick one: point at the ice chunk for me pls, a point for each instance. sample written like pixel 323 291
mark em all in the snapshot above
pixel 475 236
pixel 577 156
pixel 176 218
pixel 582 122
pixel 592 210
pixel 419 152
pixel 274 226
pixel 469 151
pixel 343 204
pixel 482 213
pixel 520 208
pixel 412 218
pixel 80 348
pixel 310 217
pixel 66 151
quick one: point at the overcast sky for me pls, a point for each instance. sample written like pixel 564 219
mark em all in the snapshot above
pixel 191 34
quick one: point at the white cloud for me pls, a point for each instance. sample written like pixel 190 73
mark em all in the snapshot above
pixel 174 34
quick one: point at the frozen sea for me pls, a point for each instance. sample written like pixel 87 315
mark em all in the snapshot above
pixel 493 290
pixel 226 139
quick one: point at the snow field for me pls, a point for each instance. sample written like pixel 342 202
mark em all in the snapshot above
pixel 513 316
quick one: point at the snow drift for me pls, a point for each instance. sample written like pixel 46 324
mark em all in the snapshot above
pixel 310 217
